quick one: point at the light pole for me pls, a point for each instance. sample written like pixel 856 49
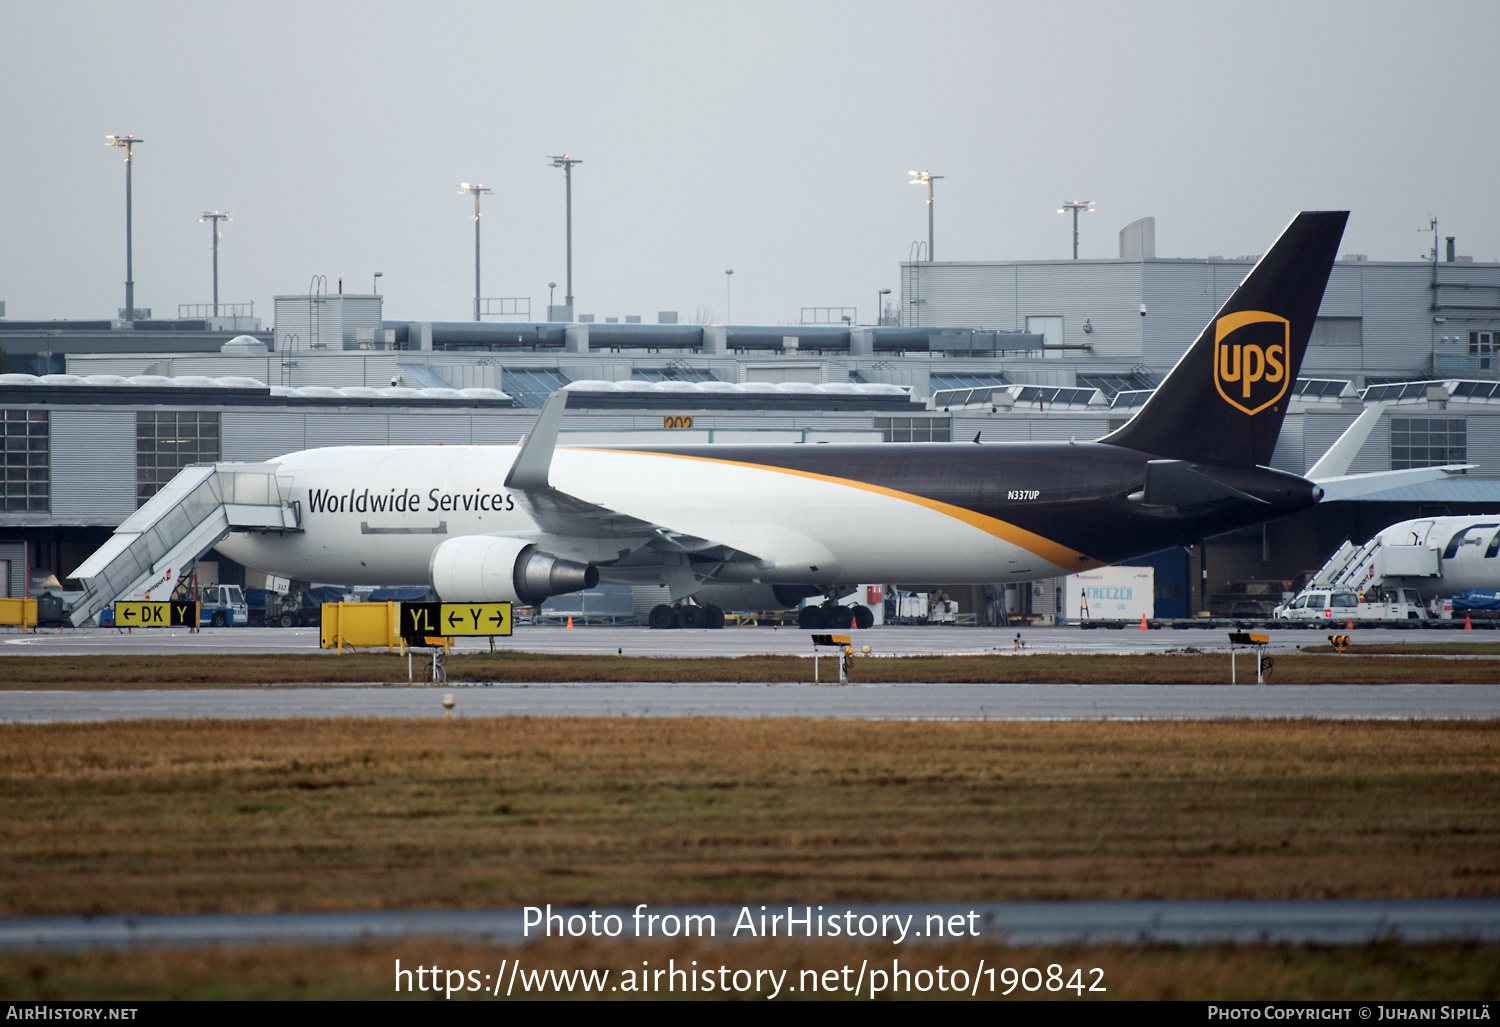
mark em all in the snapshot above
pixel 566 163
pixel 1075 206
pixel 880 307
pixel 126 143
pixel 476 189
pixel 215 217
pixel 728 296
pixel 926 178
pixel 375 283
pixel 551 286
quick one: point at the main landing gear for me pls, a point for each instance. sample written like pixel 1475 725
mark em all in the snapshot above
pixel 663 617
pixel 832 615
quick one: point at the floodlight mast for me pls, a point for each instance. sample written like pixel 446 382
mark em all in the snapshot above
pixel 126 143
pixel 566 163
pixel 1075 206
pixel 476 189
pixel 215 217
pixel 926 178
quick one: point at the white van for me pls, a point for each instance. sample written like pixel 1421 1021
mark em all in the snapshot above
pixel 1336 605
pixel 1329 606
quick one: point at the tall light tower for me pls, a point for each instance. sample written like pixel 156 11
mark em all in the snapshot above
pixel 566 163
pixel 215 217
pixel 926 178
pixel 126 143
pixel 1075 206
pixel 728 296
pixel 476 189
pixel 880 307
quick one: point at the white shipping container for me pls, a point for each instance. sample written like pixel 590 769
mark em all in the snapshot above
pixel 1110 593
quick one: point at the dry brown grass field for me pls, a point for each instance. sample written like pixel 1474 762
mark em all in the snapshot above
pixel 367 970
pixel 218 670
pixel 330 814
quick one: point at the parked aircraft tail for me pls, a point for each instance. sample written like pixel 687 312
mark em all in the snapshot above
pixel 1226 398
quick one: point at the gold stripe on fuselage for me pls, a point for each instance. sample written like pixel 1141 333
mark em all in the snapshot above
pixel 1053 552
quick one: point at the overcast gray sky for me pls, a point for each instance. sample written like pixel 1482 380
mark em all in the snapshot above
pixel 773 138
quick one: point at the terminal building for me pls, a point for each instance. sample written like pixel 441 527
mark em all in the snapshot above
pixel 98 416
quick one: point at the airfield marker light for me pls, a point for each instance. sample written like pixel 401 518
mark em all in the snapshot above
pixel 1075 206
pixel 476 189
pixel 448 706
pixel 926 178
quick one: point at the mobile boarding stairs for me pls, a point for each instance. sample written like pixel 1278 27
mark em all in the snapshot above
pixel 191 514
pixel 1361 568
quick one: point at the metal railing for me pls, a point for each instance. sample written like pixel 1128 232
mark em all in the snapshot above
pixel 194 311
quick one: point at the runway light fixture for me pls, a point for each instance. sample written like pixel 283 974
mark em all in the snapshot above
pixel 926 178
pixel 1075 206
pixel 127 143
pixel 476 189
pixel 215 216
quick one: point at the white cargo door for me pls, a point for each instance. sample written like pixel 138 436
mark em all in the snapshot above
pixel 1051 329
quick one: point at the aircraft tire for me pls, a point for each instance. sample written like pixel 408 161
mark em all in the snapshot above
pixel 662 617
pixel 863 618
pixel 220 620
pixel 810 618
pixel 286 620
pixel 692 617
pixel 715 617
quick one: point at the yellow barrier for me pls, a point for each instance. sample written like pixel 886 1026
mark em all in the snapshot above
pixel 361 625
pixel 18 611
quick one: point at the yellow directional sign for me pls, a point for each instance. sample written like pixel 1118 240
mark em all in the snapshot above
pixel 156 615
pixel 420 620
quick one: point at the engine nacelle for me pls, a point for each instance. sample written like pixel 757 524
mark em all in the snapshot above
pixel 489 569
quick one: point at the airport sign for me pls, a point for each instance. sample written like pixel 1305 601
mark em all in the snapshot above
pixel 156 615
pixel 425 620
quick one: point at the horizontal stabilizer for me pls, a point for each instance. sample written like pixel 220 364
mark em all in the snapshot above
pixel 1355 486
pixel 1178 483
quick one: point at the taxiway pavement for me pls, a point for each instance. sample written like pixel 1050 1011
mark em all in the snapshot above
pixel 729 699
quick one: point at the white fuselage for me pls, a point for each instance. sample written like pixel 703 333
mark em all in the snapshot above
pixel 1440 556
pixel 374 515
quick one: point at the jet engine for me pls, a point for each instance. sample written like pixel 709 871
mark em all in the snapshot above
pixel 492 569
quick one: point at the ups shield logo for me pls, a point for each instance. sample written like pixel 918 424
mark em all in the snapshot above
pixel 1251 354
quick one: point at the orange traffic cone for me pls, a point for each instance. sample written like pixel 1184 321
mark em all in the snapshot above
pixel 1350 625
pixel 1467 625
pixel 570 622
pixel 1143 622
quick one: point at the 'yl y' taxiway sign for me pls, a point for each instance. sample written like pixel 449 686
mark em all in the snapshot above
pixel 419 620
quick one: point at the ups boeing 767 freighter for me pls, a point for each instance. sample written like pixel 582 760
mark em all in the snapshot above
pixel 776 523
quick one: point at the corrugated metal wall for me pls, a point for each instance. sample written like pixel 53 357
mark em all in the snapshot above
pixel 1180 299
pixel 93 465
pixel 251 435
pixel 15 585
